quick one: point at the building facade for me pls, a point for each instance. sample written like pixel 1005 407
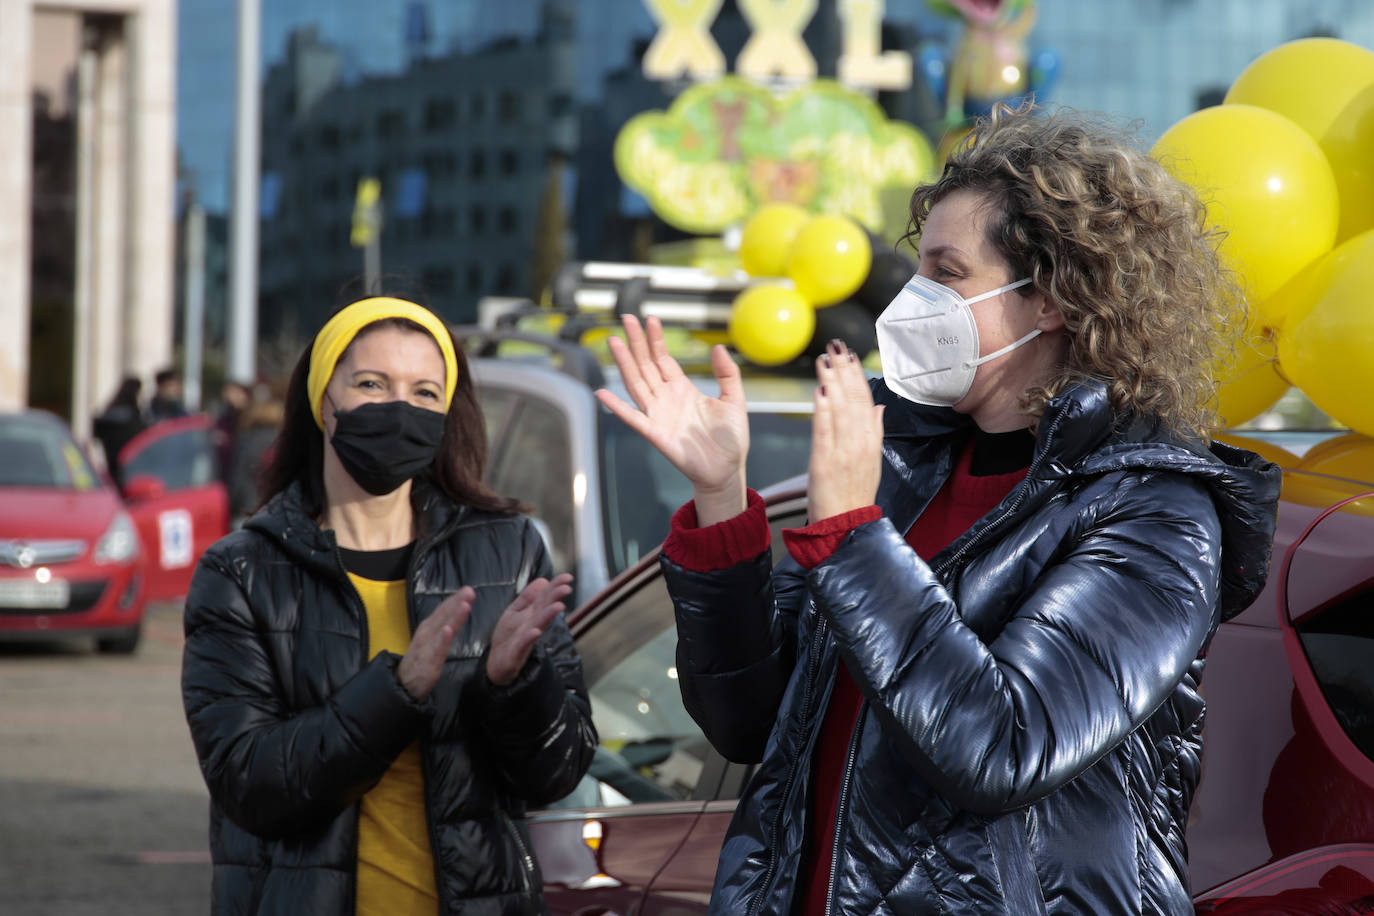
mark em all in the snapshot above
pixel 87 178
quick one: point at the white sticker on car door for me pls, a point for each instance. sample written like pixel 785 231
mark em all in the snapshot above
pixel 176 537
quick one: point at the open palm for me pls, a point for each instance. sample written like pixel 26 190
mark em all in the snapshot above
pixel 705 438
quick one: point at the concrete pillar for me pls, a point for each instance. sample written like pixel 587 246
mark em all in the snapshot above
pixel 151 224
pixel 16 167
pixel 110 224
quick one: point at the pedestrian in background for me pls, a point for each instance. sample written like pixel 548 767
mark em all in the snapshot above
pixel 377 676
pixel 119 422
pixel 235 397
pixel 258 429
pixel 972 685
pixel 168 400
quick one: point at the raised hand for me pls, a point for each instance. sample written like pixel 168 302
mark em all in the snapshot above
pixel 705 438
pixel 522 623
pixel 846 437
pixel 420 667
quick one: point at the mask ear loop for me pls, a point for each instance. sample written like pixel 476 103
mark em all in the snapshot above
pixel 1035 332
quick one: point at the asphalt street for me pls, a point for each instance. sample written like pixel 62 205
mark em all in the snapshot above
pixel 102 808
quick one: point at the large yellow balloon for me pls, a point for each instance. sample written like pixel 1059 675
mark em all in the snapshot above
pixel 771 325
pixel 1326 346
pixel 1265 182
pixel 1350 456
pixel 768 236
pixel 829 259
pixel 1326 87
pixel 1249 381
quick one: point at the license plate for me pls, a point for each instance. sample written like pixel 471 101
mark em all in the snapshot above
pixel 24 593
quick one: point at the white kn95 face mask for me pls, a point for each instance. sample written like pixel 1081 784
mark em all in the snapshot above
pixel 928 342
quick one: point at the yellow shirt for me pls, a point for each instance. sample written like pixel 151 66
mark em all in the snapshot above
pixel 395 861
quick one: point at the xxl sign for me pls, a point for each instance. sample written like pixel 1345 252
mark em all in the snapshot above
pixel 684 47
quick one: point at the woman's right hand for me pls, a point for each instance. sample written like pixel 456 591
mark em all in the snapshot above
pixel 705 438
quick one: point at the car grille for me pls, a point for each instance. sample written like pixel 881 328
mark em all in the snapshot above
pixel 84 596
pixel 23 554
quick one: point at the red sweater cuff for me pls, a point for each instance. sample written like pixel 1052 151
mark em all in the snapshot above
pixel 719 546
pixel 810 546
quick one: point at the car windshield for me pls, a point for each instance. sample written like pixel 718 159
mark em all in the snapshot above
pixel 641 490
pixel 37 453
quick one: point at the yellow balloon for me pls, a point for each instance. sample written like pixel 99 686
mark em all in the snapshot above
pixel 1326 87
pixel 1325 345
pixel 1249 382
pixel 771 325
pixel 1266 450
pixel 768 236
pixel 1264 181
pixel 1350 456
pixel 829 259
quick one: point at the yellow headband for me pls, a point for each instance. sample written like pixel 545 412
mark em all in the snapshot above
pixel 339 331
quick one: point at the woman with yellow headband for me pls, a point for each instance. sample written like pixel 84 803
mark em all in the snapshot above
pixel 377 677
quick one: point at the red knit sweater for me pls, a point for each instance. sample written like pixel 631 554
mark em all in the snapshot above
pixel 960 502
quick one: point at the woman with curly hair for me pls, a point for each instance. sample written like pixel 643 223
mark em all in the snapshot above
pixel 972 684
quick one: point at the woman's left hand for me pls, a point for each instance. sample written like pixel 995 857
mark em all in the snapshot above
pixel 522 623
pixel 846 437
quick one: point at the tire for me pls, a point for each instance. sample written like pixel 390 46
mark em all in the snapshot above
pixel 124 644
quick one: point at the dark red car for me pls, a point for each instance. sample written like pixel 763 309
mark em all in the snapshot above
pixel 1283 821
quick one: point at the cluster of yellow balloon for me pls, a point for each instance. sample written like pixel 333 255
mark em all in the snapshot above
pixel 1286 167
pixel 825 257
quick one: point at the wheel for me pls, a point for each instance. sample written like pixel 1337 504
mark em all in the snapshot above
pixel 125 643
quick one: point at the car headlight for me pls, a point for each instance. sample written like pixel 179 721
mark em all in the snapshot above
pixel 119 544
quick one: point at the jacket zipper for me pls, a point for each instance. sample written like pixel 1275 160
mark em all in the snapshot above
pixel 525 857
pixel 850 761
pixel 813 669
pixel 1006 513
pixel 351 594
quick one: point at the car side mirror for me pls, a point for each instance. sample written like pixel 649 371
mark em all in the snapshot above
pixel 143 488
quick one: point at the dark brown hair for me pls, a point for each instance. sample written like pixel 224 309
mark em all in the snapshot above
pixel 298 454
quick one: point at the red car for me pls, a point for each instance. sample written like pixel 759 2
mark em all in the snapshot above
pixel 77 557
pixel 70 559
pixel 1283 821
pixel 173 490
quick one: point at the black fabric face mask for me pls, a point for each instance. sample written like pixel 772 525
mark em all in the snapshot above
pixel 383 445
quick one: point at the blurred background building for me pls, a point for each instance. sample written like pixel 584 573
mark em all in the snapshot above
pixel 87 104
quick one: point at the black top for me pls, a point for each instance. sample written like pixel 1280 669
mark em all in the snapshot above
pixel 378 565
pixel 1001 453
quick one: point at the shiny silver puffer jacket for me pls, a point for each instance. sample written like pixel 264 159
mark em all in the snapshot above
pixel 1030 735
pixel 292 724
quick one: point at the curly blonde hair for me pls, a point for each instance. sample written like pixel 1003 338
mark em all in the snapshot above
pixel 1120 245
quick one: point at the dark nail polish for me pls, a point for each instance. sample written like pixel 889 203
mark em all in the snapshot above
pixel 822 391
pixel 826 359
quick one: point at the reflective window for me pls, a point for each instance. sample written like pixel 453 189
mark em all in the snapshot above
pixel 535 466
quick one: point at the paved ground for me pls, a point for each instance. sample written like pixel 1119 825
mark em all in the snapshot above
pixel 102 809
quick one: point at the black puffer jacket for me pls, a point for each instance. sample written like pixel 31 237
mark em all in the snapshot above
pixel 1030 734
pixel 292 725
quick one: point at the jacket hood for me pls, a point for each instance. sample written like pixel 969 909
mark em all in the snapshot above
pixel 1081 435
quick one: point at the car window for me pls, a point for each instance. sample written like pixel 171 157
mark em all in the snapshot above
pixel 651 750
pixel 39 454
pixel 1339 642
pixel 641 490
pixel 496 404
pixel 180 460
pixel 535 467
